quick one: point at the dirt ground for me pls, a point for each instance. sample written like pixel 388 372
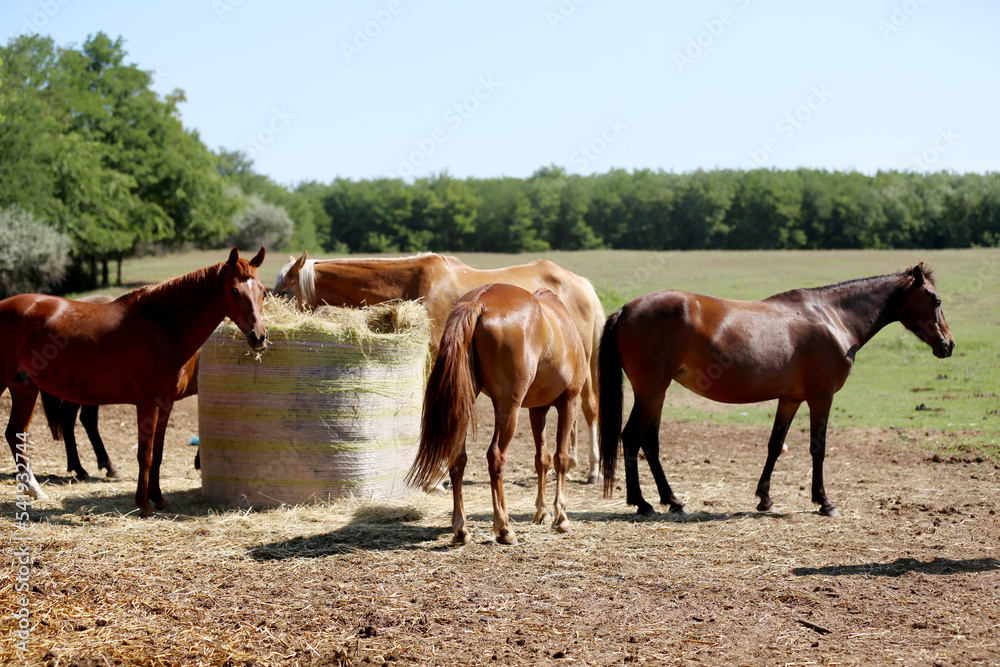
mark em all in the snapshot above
pixel 908 575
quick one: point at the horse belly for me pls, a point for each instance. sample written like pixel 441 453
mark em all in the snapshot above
pixel 751 369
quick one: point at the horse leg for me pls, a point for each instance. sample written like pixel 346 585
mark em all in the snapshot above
pixel 88 417
pixel 67 422
pixel 457 472
pixel 632 436
pixel 155 494
pixel 566 424
pixel 496 457
pixel 819 415
pixel 651 448
pixel 146 416
pixel 542 460
pixel 782 420
pixel 588 402
pixel 23 396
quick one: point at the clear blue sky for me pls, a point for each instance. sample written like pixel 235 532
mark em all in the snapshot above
pixel 503 88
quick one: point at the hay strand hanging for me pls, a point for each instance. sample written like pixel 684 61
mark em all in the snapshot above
pixel 330 408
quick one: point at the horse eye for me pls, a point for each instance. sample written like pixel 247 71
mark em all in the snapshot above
pixel 937 303
pixel 235 291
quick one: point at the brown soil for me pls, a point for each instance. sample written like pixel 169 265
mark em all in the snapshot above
pixel 909 575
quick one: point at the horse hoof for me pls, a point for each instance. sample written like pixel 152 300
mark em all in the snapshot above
pixel 161 504
pixel 763 506
pixel 646 512
pixel 37 494
pixel 81 475
pixel 508 537
pixel 679 509
pixel 561 526
pixel 111 472
pixel 594 478
pixel 829 511
pixel 462 537
pixel 145 512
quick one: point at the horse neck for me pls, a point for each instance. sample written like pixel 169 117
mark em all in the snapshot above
pixel 868 305
pixel 355 282
pixel 185 307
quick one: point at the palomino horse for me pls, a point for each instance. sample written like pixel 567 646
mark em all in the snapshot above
pixel 61 416
pixel 440 281
pixel 795 346
pixel 520 349
pixel 131 350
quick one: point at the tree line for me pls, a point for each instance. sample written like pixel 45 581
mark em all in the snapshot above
pixel 96 167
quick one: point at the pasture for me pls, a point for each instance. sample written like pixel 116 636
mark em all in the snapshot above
pixel 909 574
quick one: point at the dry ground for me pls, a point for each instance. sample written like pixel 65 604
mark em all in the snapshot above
pixel 909 575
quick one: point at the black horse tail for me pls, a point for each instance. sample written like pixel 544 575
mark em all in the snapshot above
pixel 52 406
pixel 609 411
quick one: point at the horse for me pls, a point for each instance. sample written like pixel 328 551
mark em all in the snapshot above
pixel 439 281
pixel 61 417
pixel 131 350
pixel 797 346
pixel 522 350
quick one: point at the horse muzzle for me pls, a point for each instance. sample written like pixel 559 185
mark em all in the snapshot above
pixel 257 342
pixel 944 349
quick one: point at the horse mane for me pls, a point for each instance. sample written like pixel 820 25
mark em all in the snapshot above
pixel 307 280
pixel 928 274
pixel 175 294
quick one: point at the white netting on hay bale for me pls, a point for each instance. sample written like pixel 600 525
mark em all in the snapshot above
pixel 330 408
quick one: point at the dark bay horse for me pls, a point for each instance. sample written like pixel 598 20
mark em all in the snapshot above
pixel 61 417
pixel 795 346
pixel 132 350
pixel 520 349
pixel 440 281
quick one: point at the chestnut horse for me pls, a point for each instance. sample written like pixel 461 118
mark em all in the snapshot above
pixel 61 416
pixel 795 346
pixel 520 349
pixel 131 350
pixel 439 281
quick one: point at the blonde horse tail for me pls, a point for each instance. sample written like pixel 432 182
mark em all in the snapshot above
pixel 450 400
pixel 609 412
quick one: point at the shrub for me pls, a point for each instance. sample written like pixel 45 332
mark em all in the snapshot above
pixel 33 255
pixel 261 224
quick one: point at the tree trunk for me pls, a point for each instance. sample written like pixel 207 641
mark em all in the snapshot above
pixel 104 272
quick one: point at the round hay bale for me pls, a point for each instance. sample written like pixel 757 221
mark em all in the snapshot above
pixel 330 408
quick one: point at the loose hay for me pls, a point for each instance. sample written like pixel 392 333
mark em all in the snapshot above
pixel 331 407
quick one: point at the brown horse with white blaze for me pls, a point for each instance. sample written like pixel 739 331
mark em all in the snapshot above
pixel 439 281
pixel 522 350
pixel 132 350
pixel 797 346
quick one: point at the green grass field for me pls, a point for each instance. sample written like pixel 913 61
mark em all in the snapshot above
pixel 895 373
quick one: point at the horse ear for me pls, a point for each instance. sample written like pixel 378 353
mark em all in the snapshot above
pixel 258 258
pixel 234 255
pixel 300 262
pixel 918 274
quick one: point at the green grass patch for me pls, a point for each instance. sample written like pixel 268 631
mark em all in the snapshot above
pixel 896 382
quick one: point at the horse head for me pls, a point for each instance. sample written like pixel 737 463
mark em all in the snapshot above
pixel 244 295
pixel 920 312
pixel 288 281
